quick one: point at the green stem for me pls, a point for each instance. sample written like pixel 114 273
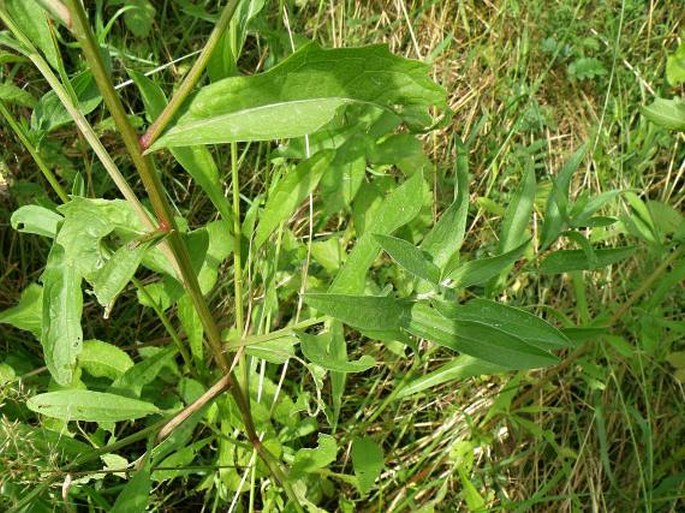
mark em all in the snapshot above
pixel 47 172
pixel 191 78
pixel 165 218
pixel 149 177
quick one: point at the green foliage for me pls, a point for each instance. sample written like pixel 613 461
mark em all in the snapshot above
pixel 299 306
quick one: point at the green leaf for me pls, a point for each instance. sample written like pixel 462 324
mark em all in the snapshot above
pixel 409 257
pixel 303 93
pixel 139 16
pixel 33 22
pixel 556 211
pixel 311 460
pixel 101 359
pixel 397 209
pixel 61 335
pixel 192 325
pixel 50 114
pixel 318 349
pixel 483 339
pixel 28 313
pixel 478 272
pixel 367 461
pixel 12 94
pixel 446 237
pixel 117 272
pixel 577 260
pixel 144 372
pixel 37 220
pixel 135 495
pixel 514 321
pixel 666 113
pixel 461 367
pixel 289 193
pixel 675 66
pixel 89 406
pixel 518 213
pixel 362 312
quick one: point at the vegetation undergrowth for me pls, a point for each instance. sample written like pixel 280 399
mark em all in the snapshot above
pixel 346 256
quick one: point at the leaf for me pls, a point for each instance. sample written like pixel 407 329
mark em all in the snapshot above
pixel 89 406
pixel 33 22
pixel 396 210
pixel 513 321
pixel 101 359
pixel 12 94
pixel 675 66
pixel 577 260
pixel 192 325
pixel 409 258
pixel 518 213
pixel 303 93
pixel 556 209
pixel 666 113
pixel 311 460
pixel 144 372
pixel 478 272
pixel 27 314
pixel 289 193
pixel 318 349
pixel 461 367
pixel 367 461
pixel 139 16
pixel 117 272
pixel 197 160
pixel 362 312
pixel 51 114
pixel 37 220
pixel 135 495
pixel 483 339
pixel 446 237
pixel 61 335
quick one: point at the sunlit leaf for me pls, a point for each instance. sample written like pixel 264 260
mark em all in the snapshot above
pixel 301 94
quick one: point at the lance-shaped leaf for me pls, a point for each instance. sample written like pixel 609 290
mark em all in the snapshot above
pixel 479 271
pixel 289 193
pixel 303 93
pixel 370 313
pixel 116 273
pixel 89 406
pixel 578 260
pixel 400 206
pixel 410 258
pixel 666 113
pixel 483 339
pixel 61 335
pixel 514 321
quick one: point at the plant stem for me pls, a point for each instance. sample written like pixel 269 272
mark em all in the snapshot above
pixel 149 177
pixel 153 186
pixel 47 172
pixel 191 78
